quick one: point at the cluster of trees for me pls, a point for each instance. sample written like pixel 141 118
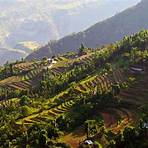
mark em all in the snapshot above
pixel 52 84
pixel 5 72
pixel 36 136
pixel 138 40
pixel 131 137
pixel 8 70
pixel 136 55
pixel 12 110
pixel 8 93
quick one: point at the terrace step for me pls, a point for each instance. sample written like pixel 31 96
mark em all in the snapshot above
pixel 51 113
pixel 57 111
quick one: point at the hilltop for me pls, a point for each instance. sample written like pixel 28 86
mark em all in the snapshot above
pixel 113 29
pixel 92 94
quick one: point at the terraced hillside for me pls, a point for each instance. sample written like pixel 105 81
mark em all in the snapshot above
pixel 132 95
pixel 95 94
pixel 46 115
pixel 103 83
pixel 28 75
pixel 28 72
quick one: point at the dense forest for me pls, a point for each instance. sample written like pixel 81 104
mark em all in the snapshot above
pixel 89 98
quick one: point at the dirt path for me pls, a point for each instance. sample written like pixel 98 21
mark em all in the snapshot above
pixel 74 138
pixel 121 126
pixel 109 119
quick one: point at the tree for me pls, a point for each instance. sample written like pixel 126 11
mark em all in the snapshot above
pixel 91 128
pixel 81 49
pixel 42 138
pixel 108 67
pixel 11 69
pixel 115 89
pixel 53 132
pixel 24 100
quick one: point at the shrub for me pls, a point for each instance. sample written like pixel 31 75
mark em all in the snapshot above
pixel 24 100
pixel 25 110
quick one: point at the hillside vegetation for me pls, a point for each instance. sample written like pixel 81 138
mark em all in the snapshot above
pixel 98 95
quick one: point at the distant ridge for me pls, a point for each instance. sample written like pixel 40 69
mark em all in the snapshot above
pixel 11 55
pixel 113 29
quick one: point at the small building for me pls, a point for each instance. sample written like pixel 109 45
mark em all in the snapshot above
pixel 136 70
pixel 49 61
pixel 145 125
pixel 54 62
pixel 87 142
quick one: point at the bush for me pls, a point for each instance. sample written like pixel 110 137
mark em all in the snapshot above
pixel 25 110
pixel 24 100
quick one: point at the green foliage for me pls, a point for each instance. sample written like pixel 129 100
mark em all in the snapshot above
pixel 52 84
pixel 81 50
pixel 108 67
pixel 35 136
pixel 65 86
pixel 115 89
pixel 24 100
pixel 138 40
pixel 25 110
pixel 91 128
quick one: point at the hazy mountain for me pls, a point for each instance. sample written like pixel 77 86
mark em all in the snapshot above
pixel 21 50
pixel 43 20
pixel 27 46
pixel 11 55
pixel 108 31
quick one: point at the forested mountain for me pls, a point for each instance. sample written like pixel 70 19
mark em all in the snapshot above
pixel 110 30
pixel 89 98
